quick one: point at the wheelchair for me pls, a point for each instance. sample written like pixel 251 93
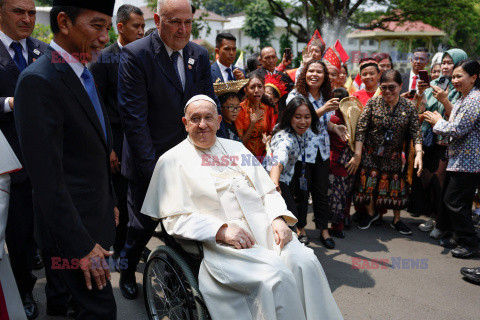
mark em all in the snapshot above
pixel 170 281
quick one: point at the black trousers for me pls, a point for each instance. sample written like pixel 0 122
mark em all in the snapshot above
pixel 140 227
pixel 120 184
pixel 287 195
pixel 19 235
pixel 65 284
pixel 457 213
pixel 317 184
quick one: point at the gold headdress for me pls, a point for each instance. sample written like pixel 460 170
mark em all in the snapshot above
pixel 222 88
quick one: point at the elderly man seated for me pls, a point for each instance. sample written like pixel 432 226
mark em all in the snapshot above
pixel 214 191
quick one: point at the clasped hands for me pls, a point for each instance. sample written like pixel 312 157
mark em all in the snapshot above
pixel 241 239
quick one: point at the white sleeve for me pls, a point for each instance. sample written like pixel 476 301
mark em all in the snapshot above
pixel 6 106
pixel 193 226
pixel 276 207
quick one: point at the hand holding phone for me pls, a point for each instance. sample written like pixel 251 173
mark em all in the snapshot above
pixel 423 74
pixel 443 82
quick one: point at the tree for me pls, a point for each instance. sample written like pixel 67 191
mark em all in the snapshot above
pixel 42 33
pixel 222 7
pixel 44 3
pixel 258 23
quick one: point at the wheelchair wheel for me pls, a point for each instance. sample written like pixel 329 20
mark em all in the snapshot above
pixel 170 288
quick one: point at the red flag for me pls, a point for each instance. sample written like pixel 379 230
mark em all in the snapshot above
pixel 341 51
pixel 332 58
pixel 317 40
pixel 358 81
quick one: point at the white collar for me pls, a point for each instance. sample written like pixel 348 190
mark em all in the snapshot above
pixel 7 41
pixel 71 60
pixel 223 67
pixel 413 74
pixel 119 44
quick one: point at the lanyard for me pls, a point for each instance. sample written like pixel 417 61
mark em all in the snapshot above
pixel 318 107
pixel 303 155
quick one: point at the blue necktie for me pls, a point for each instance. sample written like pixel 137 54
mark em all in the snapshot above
pixel 18 57
pixel 174 58
pixel 230 75
pixel 92 93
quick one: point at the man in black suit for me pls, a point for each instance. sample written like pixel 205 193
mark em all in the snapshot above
pixel 66 141
pixel 419 60
pixel 223 69
pixel 268 59
pixel 156 77
pixel 17 50
pixel 130 26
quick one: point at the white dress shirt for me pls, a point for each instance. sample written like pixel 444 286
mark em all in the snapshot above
pixel 76 66
pixel 7 41
pixel 410 82
pixel 223 70
pixel 180 64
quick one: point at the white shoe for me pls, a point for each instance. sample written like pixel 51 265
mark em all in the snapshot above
pixel 427 226
pixel 437 234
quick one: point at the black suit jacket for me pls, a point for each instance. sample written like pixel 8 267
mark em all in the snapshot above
pixel 9 74
pixel 151 101
pixel 105 72
pixel 67 158
pixel 217 74
pixel 405 82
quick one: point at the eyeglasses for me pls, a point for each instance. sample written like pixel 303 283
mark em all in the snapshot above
pixel 233 108
pixel 391 88
pixel 198 119
pixel 178 23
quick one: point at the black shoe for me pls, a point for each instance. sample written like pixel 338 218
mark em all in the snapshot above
pixel 304 239
pixel 37 260
pixel 30 306
pixel 146 252
pixel 472 274
pixel 401 227
pixel 379 221
pixel 464 253
pixel 357 216
pixel 128 285
pixel 337 234
pixel 415 214
pixel 347 223
pixel 56 310
pixel 367 221
pixel 448 243
pixel 328 243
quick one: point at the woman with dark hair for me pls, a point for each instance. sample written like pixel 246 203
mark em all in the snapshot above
pixel 427 196
pixel 254 120
pixel 289 143
pixel 369 73
pixel 463 170
pixel 314 85
pixel 384 61
pixel 342 76
pixel 386 123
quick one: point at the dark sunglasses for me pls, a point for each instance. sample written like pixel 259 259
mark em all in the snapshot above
pixel 391 88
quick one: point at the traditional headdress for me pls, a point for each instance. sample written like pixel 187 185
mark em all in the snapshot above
pixel 222 88
pixel 274 81
pixel 332 58
pixel 317 40
pixel 368 62
pixel 103 6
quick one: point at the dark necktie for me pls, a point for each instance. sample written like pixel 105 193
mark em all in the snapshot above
pixel 230 75
pixel 18 57
pixel 92 93
pixel 174 58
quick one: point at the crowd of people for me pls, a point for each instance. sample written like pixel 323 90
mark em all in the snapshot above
pixel 128 137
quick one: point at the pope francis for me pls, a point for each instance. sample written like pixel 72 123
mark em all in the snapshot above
pixel 214 191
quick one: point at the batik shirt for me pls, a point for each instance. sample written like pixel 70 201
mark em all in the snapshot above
pixel 320 141
pixel 463 128
pixel 288 147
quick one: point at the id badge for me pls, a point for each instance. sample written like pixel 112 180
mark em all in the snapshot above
pixel 380 151
pixel 303 184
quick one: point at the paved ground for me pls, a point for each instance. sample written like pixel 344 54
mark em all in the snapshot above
pixel 435 292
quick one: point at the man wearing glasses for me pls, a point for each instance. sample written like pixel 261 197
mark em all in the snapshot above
pixel 410 80
pixel 157 75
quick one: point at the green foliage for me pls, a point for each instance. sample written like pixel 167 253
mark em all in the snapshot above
pixel 44 3
pixel 113 37
pixel 259 23
pixel 285 42
pixel 222 7
pixel 42 33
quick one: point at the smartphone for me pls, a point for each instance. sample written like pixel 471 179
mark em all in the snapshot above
pixel 443 82
pixel 423 74
pixel 411 94
pixel 288 53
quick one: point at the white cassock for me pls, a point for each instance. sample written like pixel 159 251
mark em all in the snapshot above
pixel 9 297
pixel 195 198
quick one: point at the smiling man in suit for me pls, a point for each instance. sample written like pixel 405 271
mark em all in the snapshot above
pixel 157 76
pixel 226 49
pixel 66 141
pixel 17 51
pixel 131 27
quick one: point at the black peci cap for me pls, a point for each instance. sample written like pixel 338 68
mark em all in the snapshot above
pixel 103 6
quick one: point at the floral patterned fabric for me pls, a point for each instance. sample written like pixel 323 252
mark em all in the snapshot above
pixel 254 144
pixel 463 128
pixel 287 147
